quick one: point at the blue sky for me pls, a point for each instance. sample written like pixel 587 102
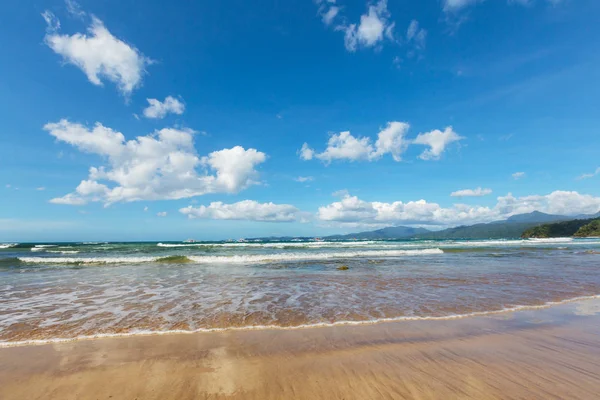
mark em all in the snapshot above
pixel 400 105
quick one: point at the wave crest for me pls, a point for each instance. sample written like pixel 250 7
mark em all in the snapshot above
pixel 250 258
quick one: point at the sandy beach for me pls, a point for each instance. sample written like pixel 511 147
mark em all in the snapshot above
pixel 551 353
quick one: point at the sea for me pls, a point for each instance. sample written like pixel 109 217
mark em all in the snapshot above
pixel 66 291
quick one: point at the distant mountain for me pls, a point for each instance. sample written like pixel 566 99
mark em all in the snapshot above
pixel 576 227
pixel 537 217
pixel 587 216
pixel 492 230
pixel 392 232
pixel 512 227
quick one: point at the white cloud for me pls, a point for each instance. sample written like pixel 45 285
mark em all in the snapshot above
pixel 74 9
pixel 41 188
pixel 455 5
pixel 306 153
pixel 328 10
pixel 159 110
pixel 437 142
pixel 344 146
pixel 352 210
pixel 160 166
pixel 370 30
pixel 330 14
pixel 340 193
pixel 587 176
pixel 391 140
pixel 99 54
pixel 518 175
pixel 248 210
pixel 146 209
pixel 161 214
pixel 374 26
pixel 304 179
pixel 8 186
pixel 416 35
pixel 52 23
pixel 234 168
pixel 471 192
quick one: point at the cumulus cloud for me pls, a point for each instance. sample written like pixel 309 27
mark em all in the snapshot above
pixel 518 175
pixel 587 176
pixel 158 109
pixel 160 166
pixel 352 210
pixel 161 214
pixel 99 54
pixel 306 153
pixel 371 30
pixel 344 146
pixel 248 210
pixel 373 27
pixel 471 192
pixel 437 142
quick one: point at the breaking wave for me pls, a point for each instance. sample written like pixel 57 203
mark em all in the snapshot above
pixel 249 258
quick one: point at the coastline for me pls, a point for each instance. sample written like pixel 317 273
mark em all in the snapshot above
pixel 323 325
pixel 548 352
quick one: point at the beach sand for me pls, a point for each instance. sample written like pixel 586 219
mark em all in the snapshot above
pixel 551 353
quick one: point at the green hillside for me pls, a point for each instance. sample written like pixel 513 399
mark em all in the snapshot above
pixel 481 231
pixel 577 227
pixel 589 230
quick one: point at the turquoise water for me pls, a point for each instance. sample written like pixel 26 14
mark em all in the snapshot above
pixel 68 290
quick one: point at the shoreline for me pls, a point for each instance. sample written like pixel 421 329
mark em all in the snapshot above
pixel 321 325
pixel 535 354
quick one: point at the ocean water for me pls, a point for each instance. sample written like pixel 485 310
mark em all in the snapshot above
pixel 55 291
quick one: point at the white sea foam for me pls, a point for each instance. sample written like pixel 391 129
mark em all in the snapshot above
pixel 63 251
pixel 513 242
pixel 7 245
pixel 381 244
pixel 552 240
pixel 248 258
pixel 304 326
pixel 283 244
pixel 42 247
pixel 86 260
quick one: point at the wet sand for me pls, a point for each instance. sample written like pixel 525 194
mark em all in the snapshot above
pixel 552 353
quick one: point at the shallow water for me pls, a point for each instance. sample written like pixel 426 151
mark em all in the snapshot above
pixel 60 290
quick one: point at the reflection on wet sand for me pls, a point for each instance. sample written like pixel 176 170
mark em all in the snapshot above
pixel 540 354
